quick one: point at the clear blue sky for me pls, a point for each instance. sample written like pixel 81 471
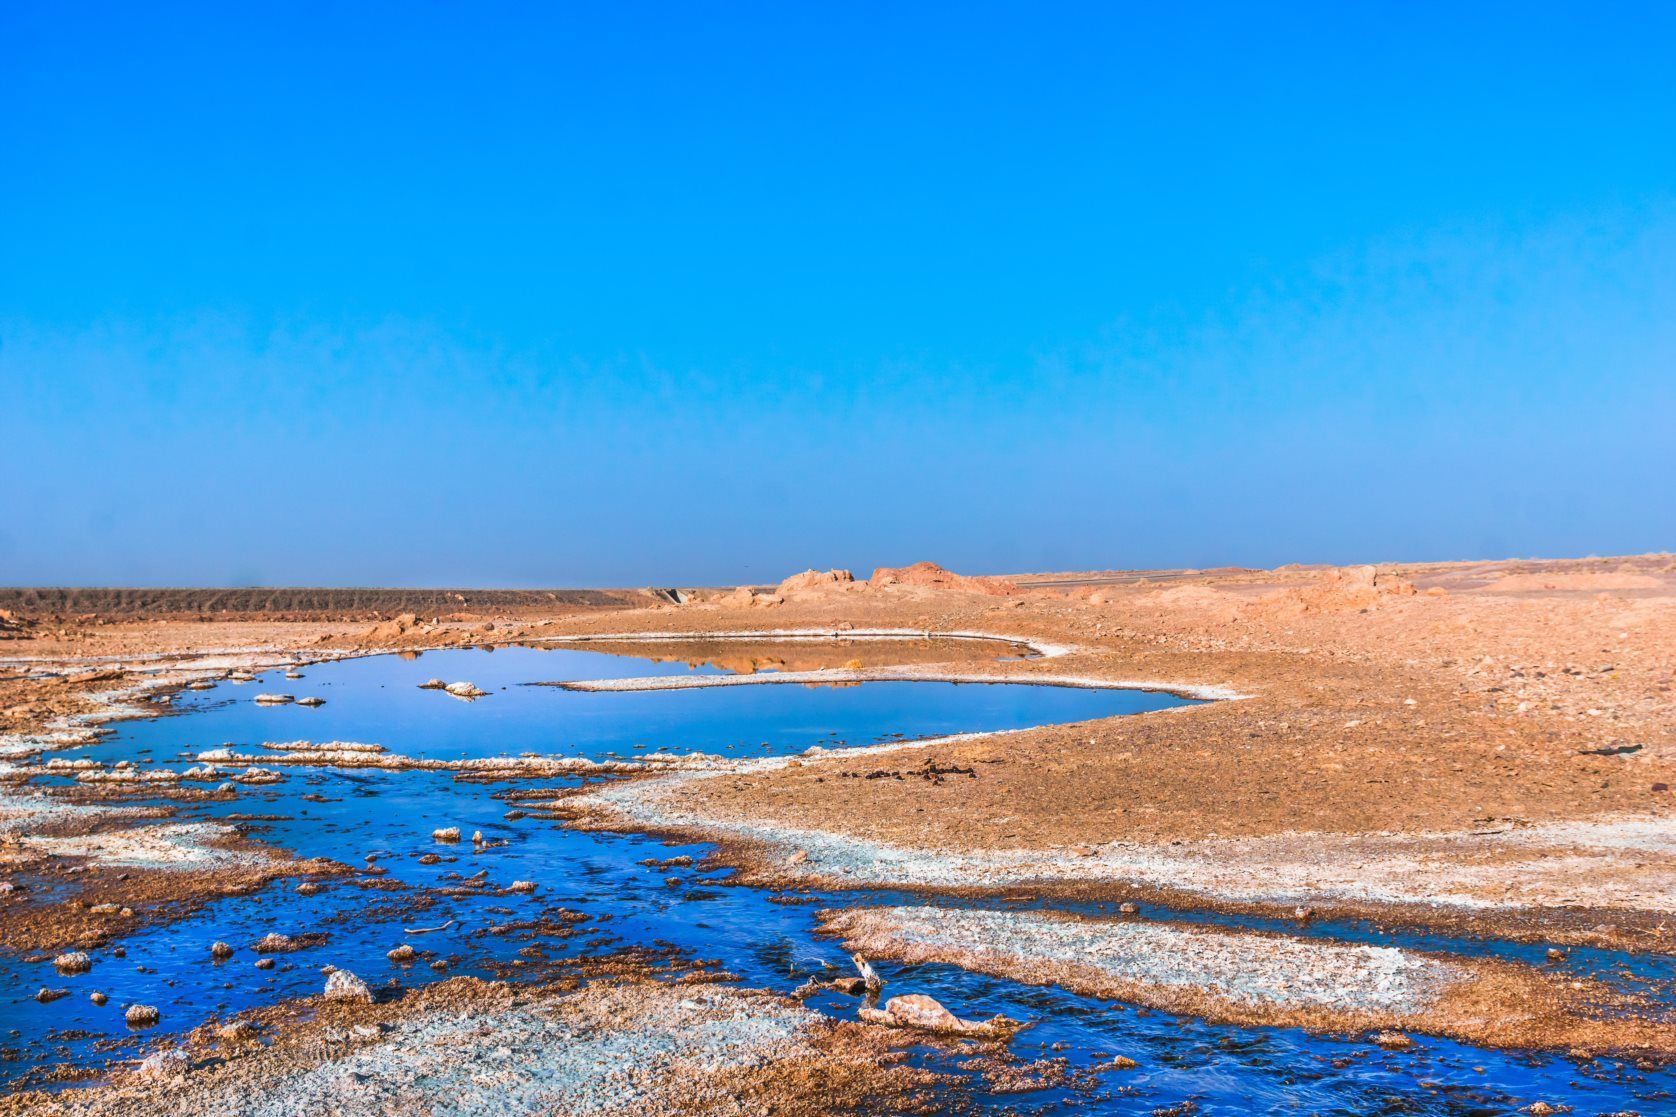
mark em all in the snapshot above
pixel 700 293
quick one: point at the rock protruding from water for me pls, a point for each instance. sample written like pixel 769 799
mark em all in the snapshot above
pixel 75 961
pixel 464 689
pixel 433 684
pixel 923 1013
pixel 141 1016
pixel 345 986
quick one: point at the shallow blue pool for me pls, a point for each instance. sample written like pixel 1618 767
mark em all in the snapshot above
pixel 348 815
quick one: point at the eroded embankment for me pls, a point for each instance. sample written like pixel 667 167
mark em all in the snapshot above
pixel 474 1047
pixel 1260 979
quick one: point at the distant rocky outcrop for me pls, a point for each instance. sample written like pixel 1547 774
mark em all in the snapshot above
pixel 816 581
pixel 932 576
pixel 1341 589
pixel 395 629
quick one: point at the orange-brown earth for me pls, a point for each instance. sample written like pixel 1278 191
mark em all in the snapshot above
pixel 1481 745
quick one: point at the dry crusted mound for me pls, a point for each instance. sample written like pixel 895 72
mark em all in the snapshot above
pixel 1340 590
pixel 391 629
pixel 815 581
pixel 931 576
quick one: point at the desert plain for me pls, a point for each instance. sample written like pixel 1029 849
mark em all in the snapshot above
pixel 1420 754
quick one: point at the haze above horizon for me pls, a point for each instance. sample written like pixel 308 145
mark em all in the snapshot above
pixel 645 294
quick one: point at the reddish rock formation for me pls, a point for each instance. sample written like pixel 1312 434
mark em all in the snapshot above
pixel 932 576
pixel 816 580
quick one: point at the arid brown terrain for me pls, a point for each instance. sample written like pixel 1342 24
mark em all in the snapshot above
pixel 1483 747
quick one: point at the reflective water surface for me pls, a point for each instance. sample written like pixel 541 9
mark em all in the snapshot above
pixel 596 895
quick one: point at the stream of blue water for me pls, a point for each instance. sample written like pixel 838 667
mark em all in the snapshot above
pixel 347 815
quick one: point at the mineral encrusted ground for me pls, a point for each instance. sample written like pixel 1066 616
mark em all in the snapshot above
pixel 1486 747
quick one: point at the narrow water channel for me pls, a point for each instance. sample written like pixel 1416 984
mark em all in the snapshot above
pixel 597 893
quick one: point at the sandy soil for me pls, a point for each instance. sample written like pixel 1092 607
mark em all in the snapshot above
pixel 469 1047
pixel 1482 746
pixel 1262 979
pixel 1422 744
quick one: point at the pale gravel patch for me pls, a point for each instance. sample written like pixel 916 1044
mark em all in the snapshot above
pixel 1625 863
pixel 167 845
pixel 23 811
pixel 174 846
pixel 1251 969
pixel 606 1051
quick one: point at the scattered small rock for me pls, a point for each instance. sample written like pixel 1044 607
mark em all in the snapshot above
pixel 446 834
pixel 433 684
pixel 521 886
pixel 275 943
pixel 220 950
pixel 311 701
pixel 47 996
pixel 1395 1041
pixel 464 689
pixel 923 1013
pixel 141 1016
pixel 75 961
pixel 97 997
pixel 240 1031
pixel 402 953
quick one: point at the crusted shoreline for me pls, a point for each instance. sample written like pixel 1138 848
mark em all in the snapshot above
pixel 1258 979
pixel 1470 749
pixel 617 1046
